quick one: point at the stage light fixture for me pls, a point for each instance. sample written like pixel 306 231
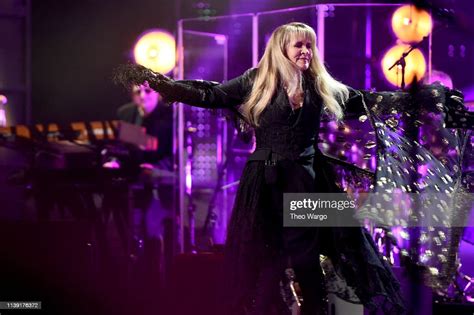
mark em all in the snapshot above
pixel 156 50
pixel 415 65
pixel 411 24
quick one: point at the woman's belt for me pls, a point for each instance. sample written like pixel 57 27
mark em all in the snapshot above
pixel 271 159
pixel 267 155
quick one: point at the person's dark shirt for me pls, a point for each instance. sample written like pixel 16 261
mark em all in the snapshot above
pixel 158 123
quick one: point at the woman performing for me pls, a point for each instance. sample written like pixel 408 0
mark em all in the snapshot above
pixel 283 99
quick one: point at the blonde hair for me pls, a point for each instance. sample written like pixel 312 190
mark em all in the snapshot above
pixel 276 68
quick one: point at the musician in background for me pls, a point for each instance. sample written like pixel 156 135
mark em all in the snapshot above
pixel 151 194
pixel 147 109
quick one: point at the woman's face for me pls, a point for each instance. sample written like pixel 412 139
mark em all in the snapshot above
pixel 299 51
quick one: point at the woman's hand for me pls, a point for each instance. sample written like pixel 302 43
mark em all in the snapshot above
pixel 134 74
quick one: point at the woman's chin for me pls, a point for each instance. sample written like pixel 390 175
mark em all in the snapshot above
pixel 303 68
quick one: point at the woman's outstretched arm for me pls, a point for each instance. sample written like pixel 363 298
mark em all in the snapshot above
pixel 199 93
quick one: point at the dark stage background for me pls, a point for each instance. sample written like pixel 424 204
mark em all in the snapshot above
pixel 75 46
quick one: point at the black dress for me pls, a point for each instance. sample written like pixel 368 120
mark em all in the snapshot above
pixel 258 247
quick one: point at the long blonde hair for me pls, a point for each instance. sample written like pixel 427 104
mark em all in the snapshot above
pixel 275 68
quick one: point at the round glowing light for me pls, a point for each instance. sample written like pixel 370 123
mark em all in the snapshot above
pixel 410 24
pixel 153 52
pixel 415 65
pixel 156 50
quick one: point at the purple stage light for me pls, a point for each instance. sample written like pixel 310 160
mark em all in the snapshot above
pixel 3 114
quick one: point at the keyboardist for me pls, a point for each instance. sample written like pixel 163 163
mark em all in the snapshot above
pixel 151 204
pixel 147 109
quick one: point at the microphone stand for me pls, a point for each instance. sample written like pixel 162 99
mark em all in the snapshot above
pixel 412 267
pixel 401 62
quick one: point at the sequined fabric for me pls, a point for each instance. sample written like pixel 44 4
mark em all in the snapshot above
pixel 410 152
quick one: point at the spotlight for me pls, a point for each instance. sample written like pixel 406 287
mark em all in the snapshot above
pixel 415 64
pixel 410 24
pixel 156 50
